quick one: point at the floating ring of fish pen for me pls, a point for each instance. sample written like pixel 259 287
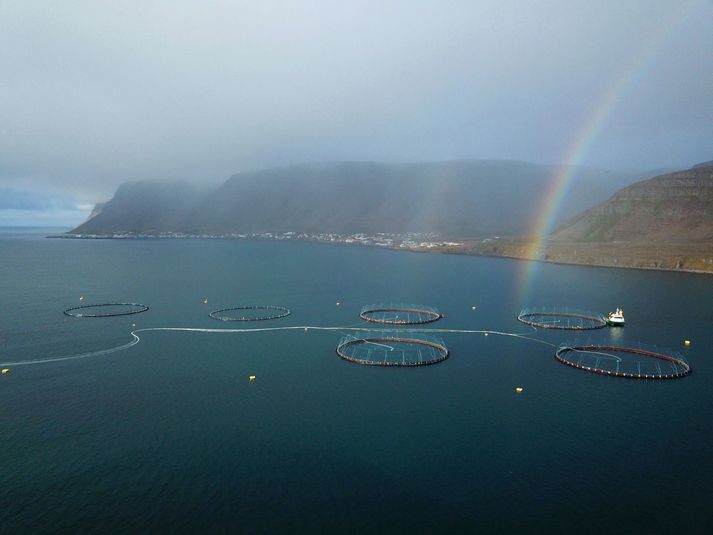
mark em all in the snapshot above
pixel 678 366
pixel 400 314
pixel 72 311
pixel 273 312
pixel 563 319
pixel 436 350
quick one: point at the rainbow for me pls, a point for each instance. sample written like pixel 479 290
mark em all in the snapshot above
pixel 559 185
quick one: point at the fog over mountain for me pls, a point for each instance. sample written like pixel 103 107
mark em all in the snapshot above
pixel 456 199
pixel 95 94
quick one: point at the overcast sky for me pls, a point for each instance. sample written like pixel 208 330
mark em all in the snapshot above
pixel 96 93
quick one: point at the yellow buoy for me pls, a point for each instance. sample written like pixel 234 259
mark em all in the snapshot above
pixel 305 329
pixel 252 378
pixel 473 307
pixel 81 298
pixel 519 389
pixel 687 343
pixel 486 334
pixel 133 325
pixel 205 301
pixel 5 370
pixel 338 303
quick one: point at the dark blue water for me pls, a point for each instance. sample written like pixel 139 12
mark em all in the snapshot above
pixel 170 435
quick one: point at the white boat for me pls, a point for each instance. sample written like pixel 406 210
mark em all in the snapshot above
pixel 616 318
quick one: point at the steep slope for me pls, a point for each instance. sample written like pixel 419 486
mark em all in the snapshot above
pixel 671 208
pixel 459 199
pixel 147 206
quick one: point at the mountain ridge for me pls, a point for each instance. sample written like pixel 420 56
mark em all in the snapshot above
pixel 461 198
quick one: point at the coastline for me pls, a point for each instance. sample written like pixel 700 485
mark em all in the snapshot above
pixel 673 257
pixel 577 263
pixel 694 258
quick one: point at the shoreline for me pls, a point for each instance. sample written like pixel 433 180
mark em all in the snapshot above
pixel 624 255
pixel 572 263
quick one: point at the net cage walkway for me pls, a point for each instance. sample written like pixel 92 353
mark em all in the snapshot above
pixel 250 313
pixel 637 361
pixel 78 311
pixel 392 349
pixel 570 319
pixel 400 314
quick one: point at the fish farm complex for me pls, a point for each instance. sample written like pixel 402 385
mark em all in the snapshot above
pixel 392 346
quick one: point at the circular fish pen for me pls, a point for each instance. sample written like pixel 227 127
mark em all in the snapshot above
pixel 564 318
pixel 108 310
pixel 633 362
pixel 385 349
pixel 250 313
pixel 400 314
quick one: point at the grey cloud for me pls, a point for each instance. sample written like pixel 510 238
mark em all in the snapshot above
pixel 95 93
pixel 11 199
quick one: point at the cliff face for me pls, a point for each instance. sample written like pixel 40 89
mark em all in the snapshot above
pixel 671 208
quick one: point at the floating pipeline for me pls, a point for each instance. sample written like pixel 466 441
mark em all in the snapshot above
pixel 679 366
pixel 135 338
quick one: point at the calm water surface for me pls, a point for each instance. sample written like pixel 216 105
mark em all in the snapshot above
pixel 169 435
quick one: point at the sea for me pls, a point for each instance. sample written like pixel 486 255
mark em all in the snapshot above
pixel 171 435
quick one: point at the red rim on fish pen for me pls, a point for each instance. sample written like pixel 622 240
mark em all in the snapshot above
pixel 617 361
